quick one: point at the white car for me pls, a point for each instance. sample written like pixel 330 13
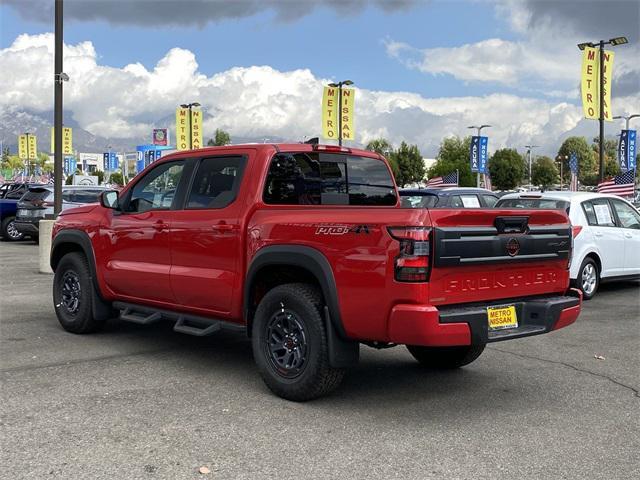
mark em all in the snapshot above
pixel 606 234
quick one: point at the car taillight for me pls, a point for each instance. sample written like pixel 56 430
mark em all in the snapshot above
pixel 412 264
pixel 576 229
pixel 331 148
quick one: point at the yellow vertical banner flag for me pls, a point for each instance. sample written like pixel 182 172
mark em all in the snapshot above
pixel 608 74
pixel 196 128
pixel 347 113
pixel 27 146
pixel 590 83
pixel 330 113
pixel 67 141
pixel 182 129
pixel 22 146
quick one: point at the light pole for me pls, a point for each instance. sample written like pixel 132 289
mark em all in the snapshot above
pixel 479 128
pixel 529 149
pixel 190 106
pixel 626 119
pixel 613 42
pixel 561 159
pixel 339 85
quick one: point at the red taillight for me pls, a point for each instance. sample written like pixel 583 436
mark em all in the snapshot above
pixel 412 264
pixel 331 148
pixel 576 229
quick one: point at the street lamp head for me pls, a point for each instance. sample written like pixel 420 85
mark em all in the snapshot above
pixel 484 126
pixel 347 82
pixel 618 41
pixel 195 104
pixel 184 105
pixel 582 46
pixel 333 85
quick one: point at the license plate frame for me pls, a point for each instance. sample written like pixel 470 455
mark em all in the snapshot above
pixel 502 317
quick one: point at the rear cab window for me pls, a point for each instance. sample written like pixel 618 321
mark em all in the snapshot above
pixel 316 178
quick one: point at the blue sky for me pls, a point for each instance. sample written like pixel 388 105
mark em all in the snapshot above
pixel 329 43
pixel 423 69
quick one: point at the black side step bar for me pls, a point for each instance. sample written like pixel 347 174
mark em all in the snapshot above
pixel 185 323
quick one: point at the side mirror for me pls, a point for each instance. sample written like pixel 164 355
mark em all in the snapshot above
pixel 109 199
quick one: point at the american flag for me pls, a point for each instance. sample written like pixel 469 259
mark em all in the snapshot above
pixel 573 165
pixel 487 181
pixel 450 180
pixel 619 185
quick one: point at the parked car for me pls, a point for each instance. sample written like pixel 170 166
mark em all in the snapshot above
pixel 305 249
pixel 37 203
pixel 448 197
pixel 606 234
pixel 10 193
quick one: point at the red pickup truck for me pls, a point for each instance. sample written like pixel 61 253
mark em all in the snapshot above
pixel 307 250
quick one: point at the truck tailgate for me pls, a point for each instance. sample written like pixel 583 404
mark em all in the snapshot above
pixel 498 254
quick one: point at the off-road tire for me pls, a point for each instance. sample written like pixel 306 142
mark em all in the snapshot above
pixel 5 230
pixel 74 269
pixel 302 303
pixel 445 357
pixel 588 266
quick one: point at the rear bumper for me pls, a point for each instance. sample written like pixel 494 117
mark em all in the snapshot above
pixel 466 325
pixel 27 226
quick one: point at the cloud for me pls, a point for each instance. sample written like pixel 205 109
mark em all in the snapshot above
pixel 544 59
pixel 262 102
pixel 593 19
pixel 190 12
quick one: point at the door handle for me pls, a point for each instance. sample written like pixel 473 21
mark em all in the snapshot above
pixel 628 235
pixel 598 234
pixel 224 227
pixel 160 226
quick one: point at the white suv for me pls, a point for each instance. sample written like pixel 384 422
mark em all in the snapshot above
pixel 606 233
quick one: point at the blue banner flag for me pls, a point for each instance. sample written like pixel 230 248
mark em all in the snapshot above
pixel 632 149
pixel 482 162
pixel 623 145
pixel 110 161
pixel 474 154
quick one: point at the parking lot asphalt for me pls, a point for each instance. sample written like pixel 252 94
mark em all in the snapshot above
pixel 143 402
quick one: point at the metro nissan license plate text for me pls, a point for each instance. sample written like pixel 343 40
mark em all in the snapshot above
pixel 502 317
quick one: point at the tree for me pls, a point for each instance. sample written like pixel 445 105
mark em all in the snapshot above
pixel 100 175
pixel 454 155
pixel 116 178
pixel 507 169
pixel 220 138
pixel 587 164
pixel 410 164
pixel 5 155
pixel 384 148
pixel 544 172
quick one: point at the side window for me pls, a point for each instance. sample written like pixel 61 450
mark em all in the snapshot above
pixel 157 188
pixel 599 212
pixel 216 182
pixel 455 202
pixel 629 218
pixel 490 200
pixel 589 213
pixel 293 179
pixel 470 201
pixel 67 196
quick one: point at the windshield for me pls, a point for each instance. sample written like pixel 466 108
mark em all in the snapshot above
pixel 418 201
pixel 535 203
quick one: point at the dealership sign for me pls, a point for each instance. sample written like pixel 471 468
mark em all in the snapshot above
pixel 478 154
pixel 627 149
